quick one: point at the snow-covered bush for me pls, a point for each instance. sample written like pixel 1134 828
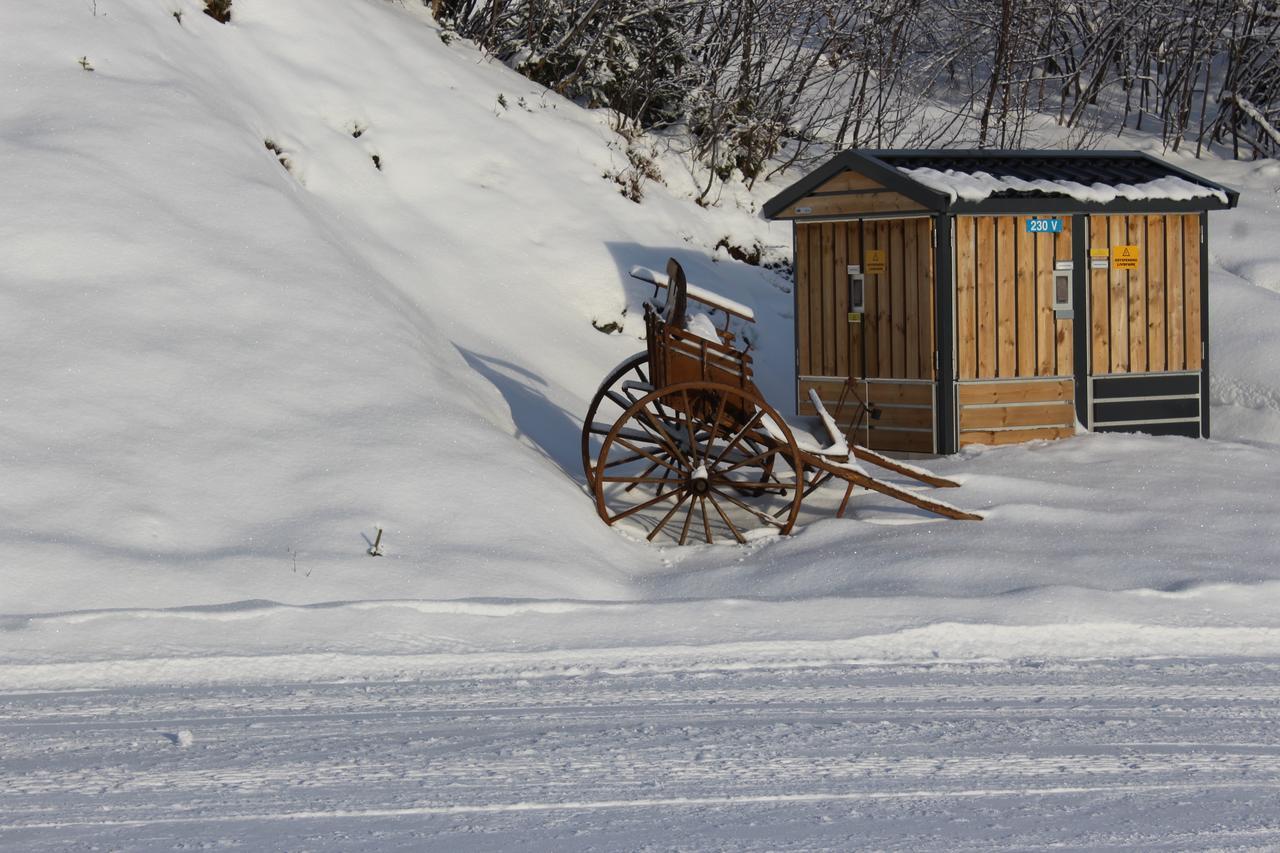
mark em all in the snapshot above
pixel 758 86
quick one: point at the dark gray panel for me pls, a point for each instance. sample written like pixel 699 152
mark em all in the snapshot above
pixel 1145 385
pixel 1146 410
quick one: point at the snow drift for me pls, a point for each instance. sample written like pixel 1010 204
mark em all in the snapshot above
pixel 272 285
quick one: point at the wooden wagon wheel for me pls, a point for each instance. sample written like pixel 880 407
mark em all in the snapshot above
pixel 680 461
pixel 611 400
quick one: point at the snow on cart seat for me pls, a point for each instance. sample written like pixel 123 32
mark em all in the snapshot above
pixel 700 324
pixel 706 297
pixel 976 186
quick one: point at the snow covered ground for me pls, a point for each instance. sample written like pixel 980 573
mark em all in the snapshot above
pixel 234 346
pixel 1098 755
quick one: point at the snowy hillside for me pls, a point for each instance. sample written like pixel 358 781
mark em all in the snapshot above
pixel 272 285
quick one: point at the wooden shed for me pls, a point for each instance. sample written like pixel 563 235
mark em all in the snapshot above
pixel 1001 296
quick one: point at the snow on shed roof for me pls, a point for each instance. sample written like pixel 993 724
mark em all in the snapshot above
pixel 991 181
pixel 1098 178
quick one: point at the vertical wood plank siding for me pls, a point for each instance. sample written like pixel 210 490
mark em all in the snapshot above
pixel 985 250
pixel 827 316
pixel 1157 312
pixel 1006 298
pixel 871 304
pixel 1176 323
pixel 1147 319
pixel 926 275
pixel 1191 287
pixel 895 338
pixel 1028 289
pixel 1118 299
pixel 884 304
pixel 857 359
pixel 1046 326
pixel 1099 290
pixel 1005 325
pixel 1065 346
pixel 840 310
pixel 1137 298
pixel 897 301
pixel 803 288
pixel 813 237
pixel 966 275
pixel 911 299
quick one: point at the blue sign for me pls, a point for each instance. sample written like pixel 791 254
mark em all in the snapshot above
pixel 1044 226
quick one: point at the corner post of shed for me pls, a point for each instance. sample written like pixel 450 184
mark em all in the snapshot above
pixel 795 311
pixel 944 347
pixel 1081 345
pixel 1204 324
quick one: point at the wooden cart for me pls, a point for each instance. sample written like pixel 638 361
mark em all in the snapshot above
pixel 689 449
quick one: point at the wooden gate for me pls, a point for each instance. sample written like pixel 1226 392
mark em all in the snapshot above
pixel 1014 373
pixel 887 349
pixel 1146 316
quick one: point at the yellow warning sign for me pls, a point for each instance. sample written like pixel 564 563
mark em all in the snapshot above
pixel 875 261
pixel 1099 253
pixel 1124 257
pixel 855 317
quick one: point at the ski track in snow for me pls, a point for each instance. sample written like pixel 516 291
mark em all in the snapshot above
pixel 1161 755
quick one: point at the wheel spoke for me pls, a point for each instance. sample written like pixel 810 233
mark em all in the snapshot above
pixel 706 525
pixel 741 540
pixel 657 433
pixel 769 480
pixel 684 531
pixel 636 480
pixel 822 477
pixel 645 473
pixel 629 446
pixel 715 426
pixel 770 486
pixel 750 460
pixel 667 517
pixel 763 516
pixel 621 399
pixel 624 461
pixel 737 438
pixel 688 424
pixel 808 488
pixel 627 512
pixel 664 437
